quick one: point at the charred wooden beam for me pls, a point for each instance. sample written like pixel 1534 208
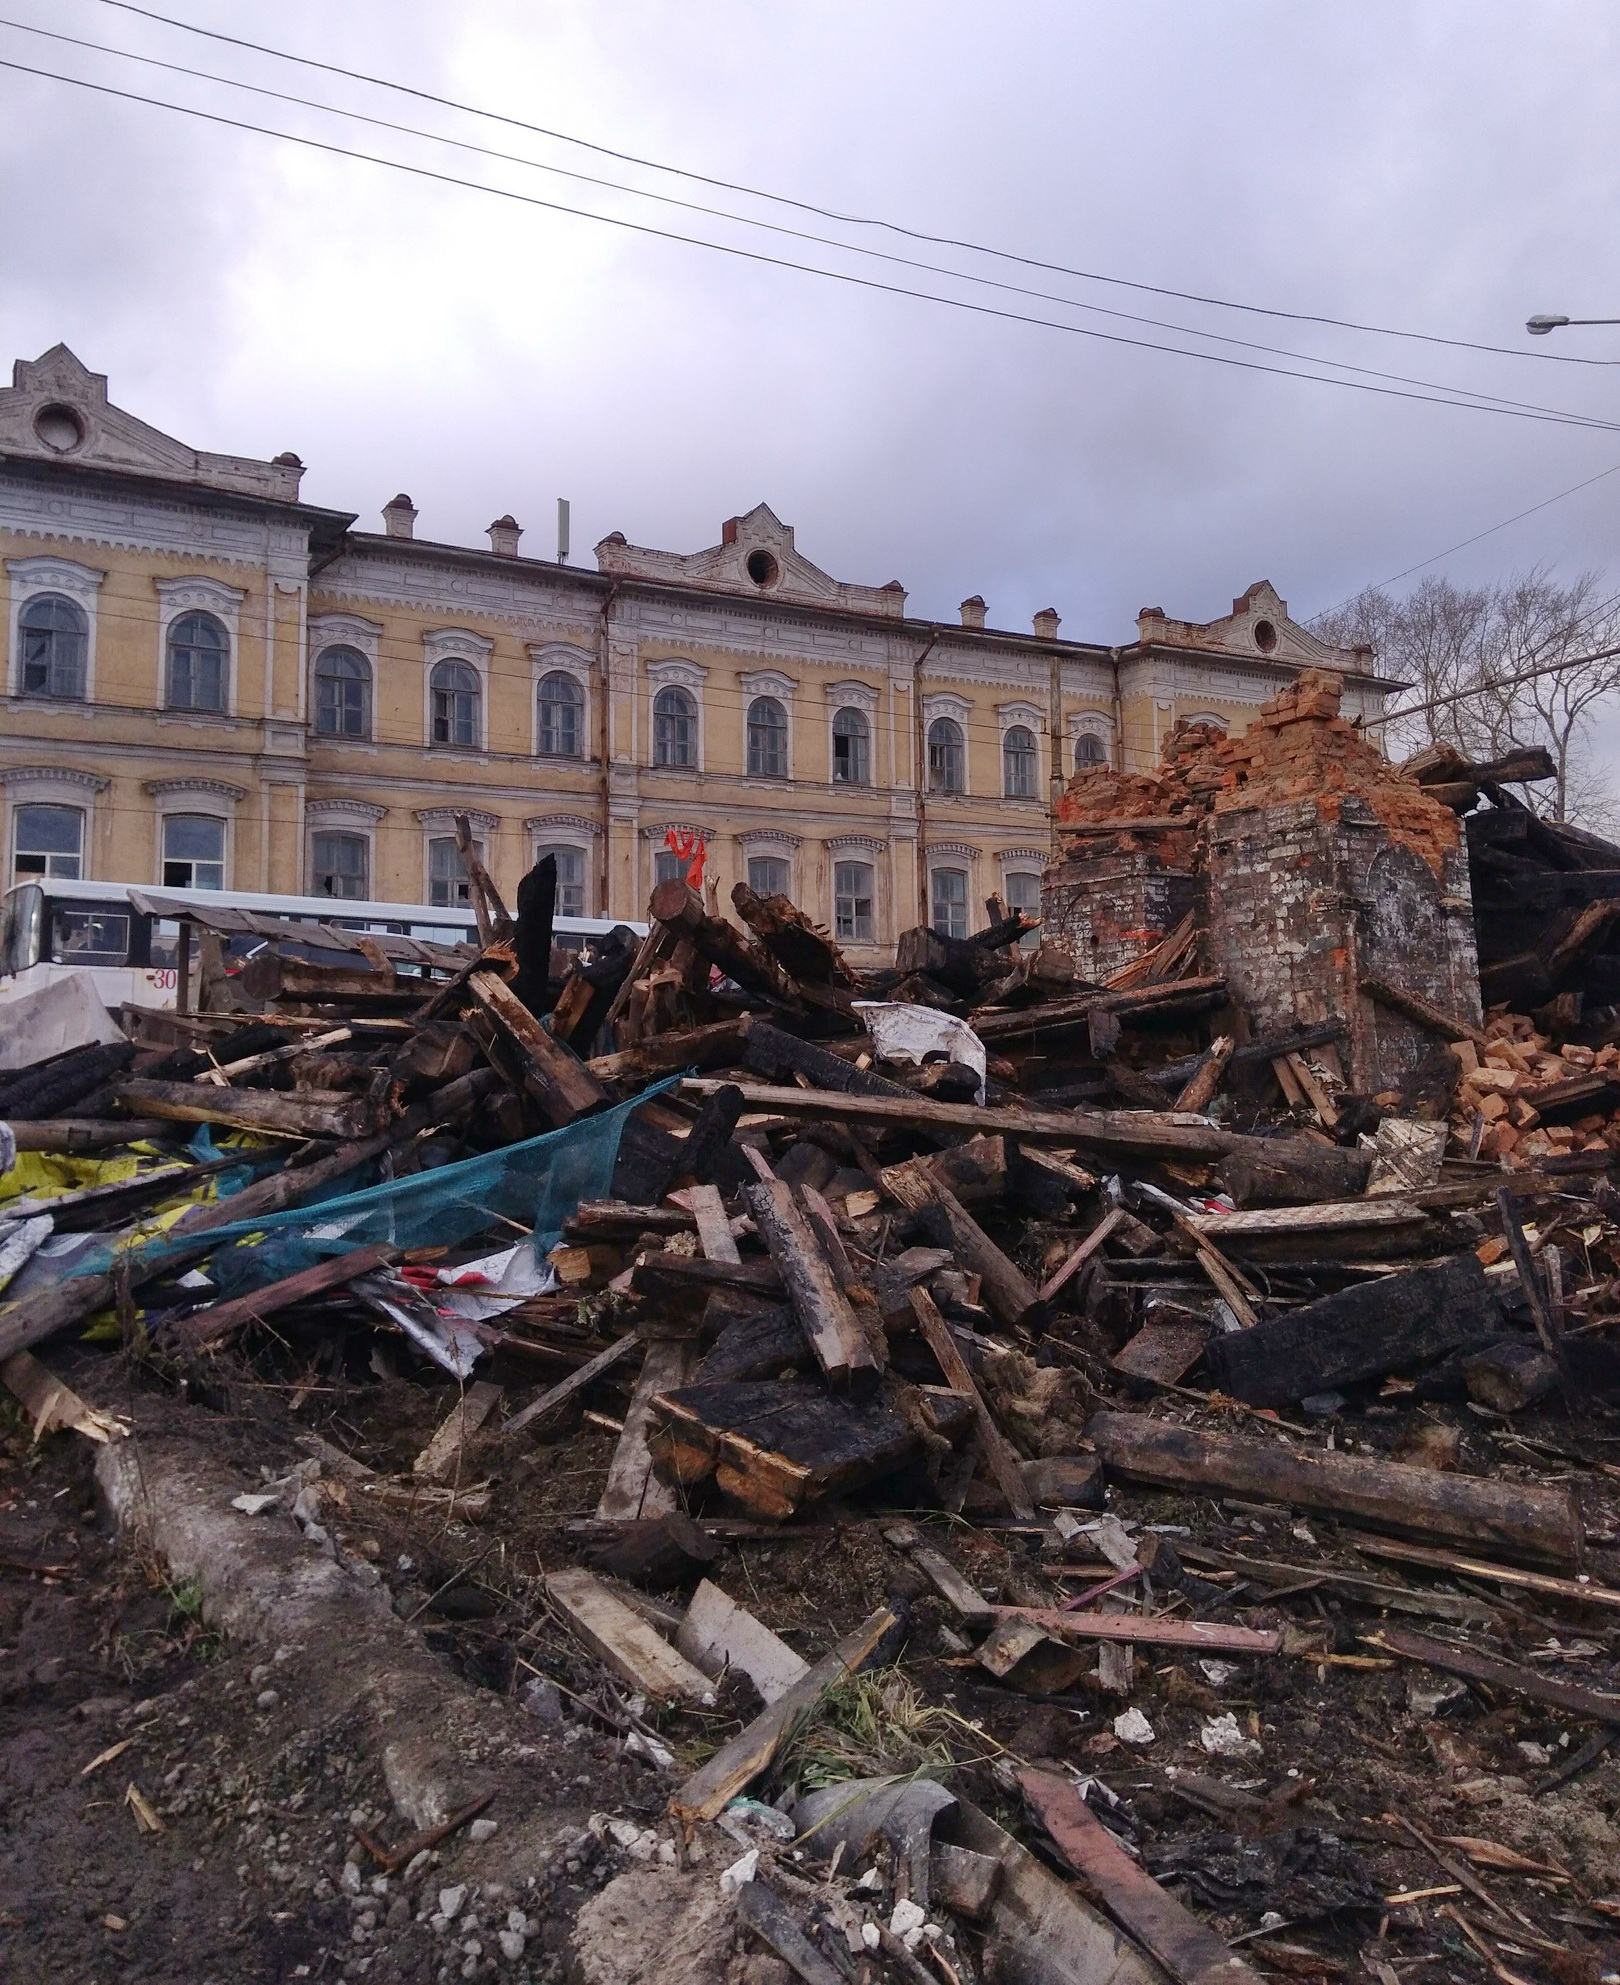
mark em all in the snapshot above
pixel 323 1113
pixel 1517 1519
pixel 826 1315
pixel 554 1075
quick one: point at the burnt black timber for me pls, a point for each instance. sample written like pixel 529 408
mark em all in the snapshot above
pixel 1360 1332
pixel 772 1052
pixel 759 1342
pixel 689 1279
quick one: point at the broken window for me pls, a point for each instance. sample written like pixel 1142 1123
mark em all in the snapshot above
pixel 853 919
pixel 950 900
pixel 852 748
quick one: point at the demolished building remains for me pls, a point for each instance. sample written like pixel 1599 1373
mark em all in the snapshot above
pixel 1083 1454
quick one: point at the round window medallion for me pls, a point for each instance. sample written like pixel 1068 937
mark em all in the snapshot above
pixel 60 428
pixel 761 568
pixel 1265 636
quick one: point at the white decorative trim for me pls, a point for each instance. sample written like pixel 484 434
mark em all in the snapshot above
pixel 77 783
pixel 345 630
pixel 761 840
pixel 1031 715
pixel 706 835
pixel 554 826
pixel 1089 723
pixel 1205 717
pixel 854 695
pixel 1025 857
pixel 456 644
pixel 196 795
pixel 957 851
pixel 943 703
pixel 844 844
pixel 768 682
pixel 686 675
pixel 442 819
pixel 79 583
pixel 345 813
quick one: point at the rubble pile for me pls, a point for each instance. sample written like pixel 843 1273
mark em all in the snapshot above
pixel 1085 1454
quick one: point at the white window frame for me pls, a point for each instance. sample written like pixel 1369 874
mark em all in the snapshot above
pixel 79 583
pixel 559 659
pixel 438 821
pixel 677 673
pixel 343 630
pixel 210 796
pixel 456 644
pixel 343 816
pixel 1088 723
pixel 197 594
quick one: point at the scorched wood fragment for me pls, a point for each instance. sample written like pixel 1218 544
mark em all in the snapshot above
pixel 826 1315
pixel 555 1076
pixel 1517 1519
pixel 1365 1331
pixel 775 1447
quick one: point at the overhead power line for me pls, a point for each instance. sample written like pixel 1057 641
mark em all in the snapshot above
pixel 843 219
pixel 769 227
pixel 1446 397
pixel 1493 683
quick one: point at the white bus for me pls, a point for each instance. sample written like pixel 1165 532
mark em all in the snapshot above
pixel 53 926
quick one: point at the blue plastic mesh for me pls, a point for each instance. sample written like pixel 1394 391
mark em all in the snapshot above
pixel 533 1185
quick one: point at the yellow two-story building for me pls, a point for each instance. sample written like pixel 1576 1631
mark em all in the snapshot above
pixel 212 684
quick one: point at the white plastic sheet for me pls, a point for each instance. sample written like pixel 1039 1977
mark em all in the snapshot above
pixel 913 1033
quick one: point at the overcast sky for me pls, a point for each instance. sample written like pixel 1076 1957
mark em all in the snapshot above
pixel 1444 168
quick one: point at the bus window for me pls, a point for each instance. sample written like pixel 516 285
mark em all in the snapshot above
pixel 24 928
pixel 89 934
pixel 164 955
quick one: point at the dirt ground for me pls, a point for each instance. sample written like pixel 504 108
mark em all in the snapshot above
pixel 257 1778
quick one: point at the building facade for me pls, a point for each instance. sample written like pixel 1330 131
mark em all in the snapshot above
pixel 211 683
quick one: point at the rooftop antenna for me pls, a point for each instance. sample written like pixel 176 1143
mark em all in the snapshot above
pixel 562 530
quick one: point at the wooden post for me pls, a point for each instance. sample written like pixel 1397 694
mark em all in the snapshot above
pixel 825 1313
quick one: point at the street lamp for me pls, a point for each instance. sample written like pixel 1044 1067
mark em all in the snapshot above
pixel 1538 327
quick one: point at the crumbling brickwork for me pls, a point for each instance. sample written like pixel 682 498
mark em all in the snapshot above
pixel 1312 862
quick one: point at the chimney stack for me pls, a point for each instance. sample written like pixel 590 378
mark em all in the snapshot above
pixel 1047 624
pixel 503 536
pixel 973 611
pixel 399 517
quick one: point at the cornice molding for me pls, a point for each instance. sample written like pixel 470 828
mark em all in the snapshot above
pixel 212 788
pixel 354 811
pixel 54 775
pixel 443 818
pixel 562 823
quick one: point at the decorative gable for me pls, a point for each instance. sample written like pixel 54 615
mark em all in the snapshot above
pixel 1258 625
pixel 56 410
pixel 756 556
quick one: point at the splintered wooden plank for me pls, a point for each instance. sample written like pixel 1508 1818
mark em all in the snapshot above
pixel 717 1634
pixel 632 1490
pixel 634 1650
pixel 209 1329
pixel 1493 1673
pixel 736 1765
pixel 1188 1949
pixel 960 1594
pixel 825 1313
pixel 444 1452
pixel 714 1228
pixel 576 1382
pixel 998 1453
pixel 1147 1630
pixel 561 1083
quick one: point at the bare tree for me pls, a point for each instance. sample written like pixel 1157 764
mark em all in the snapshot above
pixel 1465 649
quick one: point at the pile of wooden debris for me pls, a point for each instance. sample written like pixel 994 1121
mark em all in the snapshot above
pixel 998 1283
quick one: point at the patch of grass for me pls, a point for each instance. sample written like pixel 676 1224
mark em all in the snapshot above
pixel 873 1726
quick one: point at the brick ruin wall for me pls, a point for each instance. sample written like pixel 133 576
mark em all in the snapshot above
pixel 1310 860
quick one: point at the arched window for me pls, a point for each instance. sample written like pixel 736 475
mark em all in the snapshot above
pixel 1089 752
pixel 562 710
pixel 448 884
pixel 852 749
pixel 341 865
pixel 48 840
pixel 674 728
pixel 342 693
pixel 947 756
pixel 1018 768
pixel 853 891
pixel 456 693
pixel 570 876
pixel 767 739
pixel 199 654
pixel 949 891
pixel 770 875
pixel 193 851
pixel 55 644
